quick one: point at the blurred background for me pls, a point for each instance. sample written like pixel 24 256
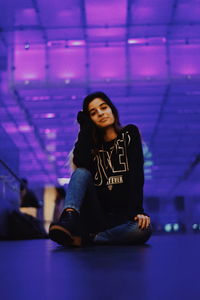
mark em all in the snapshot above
pixel 145 54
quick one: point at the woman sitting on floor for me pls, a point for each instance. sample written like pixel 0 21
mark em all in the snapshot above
pixel 104 201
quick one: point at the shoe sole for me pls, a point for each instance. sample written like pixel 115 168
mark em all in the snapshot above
pixel 63 237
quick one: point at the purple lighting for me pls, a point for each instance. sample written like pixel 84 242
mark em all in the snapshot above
pixel 114 68
pixel 29 64
pixel 51 158
pixel 185 59
pixel 142 13
pixel 65 43
pixel 148 61
pixel 49 115
pixel 100 12
pixel 144 54
pixel 41 156
pixel 67 63
pixel 38 98
pixel 67 81
pixel 45 116
pixel 76 43
pixel 142 41
pixel 9 127
pixel 25 128
pixel 14 109
pixel 50 133
pixel 150 12
pixel 57 43
pixel 27 46
pixel 136 41
pixel 101 33
pixel 26 16
pixel 51 147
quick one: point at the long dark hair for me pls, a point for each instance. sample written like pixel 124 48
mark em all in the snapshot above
pixel 98 133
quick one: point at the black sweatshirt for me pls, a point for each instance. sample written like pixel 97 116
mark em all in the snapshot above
pixel 117 170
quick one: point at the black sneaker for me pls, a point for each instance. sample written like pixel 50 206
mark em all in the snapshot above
pixel 67 231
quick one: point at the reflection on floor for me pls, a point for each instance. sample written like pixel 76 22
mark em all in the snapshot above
pixel 166 268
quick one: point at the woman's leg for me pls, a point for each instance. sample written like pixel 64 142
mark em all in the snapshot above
pixel 81 205
pixel 81 196
pixel 127 233
pixel 78 185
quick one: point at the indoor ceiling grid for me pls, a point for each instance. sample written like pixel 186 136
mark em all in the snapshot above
pixel 145 54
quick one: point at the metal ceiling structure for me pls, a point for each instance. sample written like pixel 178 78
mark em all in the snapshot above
pixel 145 54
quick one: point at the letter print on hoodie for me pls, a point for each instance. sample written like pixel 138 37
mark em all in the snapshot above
pixel 112 161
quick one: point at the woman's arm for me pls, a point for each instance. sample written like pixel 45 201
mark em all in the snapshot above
pixel 136 170
pixel 137 176
pixel 82 154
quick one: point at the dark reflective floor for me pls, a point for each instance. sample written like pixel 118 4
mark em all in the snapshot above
pixel 167 268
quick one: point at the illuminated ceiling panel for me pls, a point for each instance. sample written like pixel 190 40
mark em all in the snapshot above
pixel 143 54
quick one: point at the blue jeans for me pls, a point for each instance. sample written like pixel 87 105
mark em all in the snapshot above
pixel 81 196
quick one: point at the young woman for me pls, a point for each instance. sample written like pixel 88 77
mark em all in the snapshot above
pixel 104 202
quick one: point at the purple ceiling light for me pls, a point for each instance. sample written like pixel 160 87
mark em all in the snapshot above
pixel 185 60
pixel 99 12
pixel 114 68
pixel 67 63
pixel 148 61
pixel 25 128
pixel 144 54
pixel 76 43
pixel 137 41
pixel 29 65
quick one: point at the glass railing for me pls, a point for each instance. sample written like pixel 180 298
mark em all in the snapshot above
pixel 9 194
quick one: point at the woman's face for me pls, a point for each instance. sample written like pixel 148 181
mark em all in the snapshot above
pixel 101 113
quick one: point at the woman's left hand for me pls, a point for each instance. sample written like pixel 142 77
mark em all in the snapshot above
pixel 143 221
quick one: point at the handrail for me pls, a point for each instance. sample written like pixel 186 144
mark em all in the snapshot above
pixel 7 167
